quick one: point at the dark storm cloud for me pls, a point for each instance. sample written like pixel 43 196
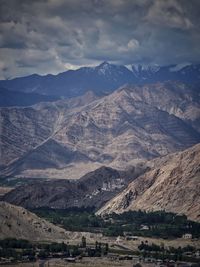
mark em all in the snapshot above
pixel 49 36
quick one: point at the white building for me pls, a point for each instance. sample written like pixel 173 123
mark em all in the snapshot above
pixel 187 236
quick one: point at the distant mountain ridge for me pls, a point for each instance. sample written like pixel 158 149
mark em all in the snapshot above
pixel 187 73
pixel 102 79
pixel 10 98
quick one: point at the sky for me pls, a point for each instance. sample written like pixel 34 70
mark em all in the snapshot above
pixel 52 36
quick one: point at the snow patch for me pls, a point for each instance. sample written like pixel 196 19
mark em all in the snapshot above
pixel 145 68
pixel 179 67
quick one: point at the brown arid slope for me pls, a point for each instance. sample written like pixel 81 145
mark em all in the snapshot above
pixel 173 185
pixel 69 139
pixel 174 97
pixel 17 222
pixel 4 190
pixel 24 129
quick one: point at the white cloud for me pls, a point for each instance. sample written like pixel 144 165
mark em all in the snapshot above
pixel 133 44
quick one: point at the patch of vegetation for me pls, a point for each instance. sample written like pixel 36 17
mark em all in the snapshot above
pixel 157 224
pixel 15 243
pixel 170 253
pixel 23 250
pixel 16 250
pixel 73 219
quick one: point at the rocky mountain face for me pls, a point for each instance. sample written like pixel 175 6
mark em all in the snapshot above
pixel 102 79
pixel 17 222
pixel 172 184
pixel 69 138
pixel 92 190
pixel 24 129
pixel 175 98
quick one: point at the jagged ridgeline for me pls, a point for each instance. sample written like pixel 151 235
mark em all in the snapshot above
pixel 101 79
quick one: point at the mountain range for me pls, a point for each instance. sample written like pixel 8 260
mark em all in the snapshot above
pixel 102 79
pixel 68 138
pixel 104 134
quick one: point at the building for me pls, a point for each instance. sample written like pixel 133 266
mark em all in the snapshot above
pixel 144 227
pixel 70 259
pixel 118 239
pixel 187 236
pixel 134 238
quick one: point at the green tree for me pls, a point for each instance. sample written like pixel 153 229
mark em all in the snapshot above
pixel 83 242
pixel 106 248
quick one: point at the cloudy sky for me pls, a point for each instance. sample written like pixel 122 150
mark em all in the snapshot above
pixel 51 36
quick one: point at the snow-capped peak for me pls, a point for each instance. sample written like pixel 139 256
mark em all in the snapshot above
pixel 179 67
pixel 145 68
pixel 103 68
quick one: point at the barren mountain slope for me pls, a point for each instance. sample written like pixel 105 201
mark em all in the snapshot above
pixel 130 125
pixel 172 185
pixel 176 98
pixel 26 128
pixel 17 222
pixel 23 129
